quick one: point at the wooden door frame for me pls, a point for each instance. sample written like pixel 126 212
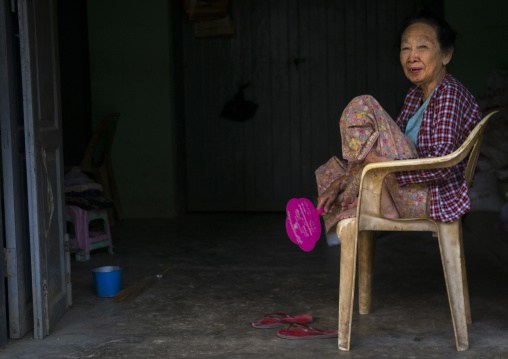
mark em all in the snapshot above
pixel 43 144
pixel 17 240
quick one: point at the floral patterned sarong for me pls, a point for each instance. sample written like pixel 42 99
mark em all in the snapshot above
pixel 365 125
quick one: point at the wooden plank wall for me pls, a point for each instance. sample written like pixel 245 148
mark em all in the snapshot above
pixel 304 60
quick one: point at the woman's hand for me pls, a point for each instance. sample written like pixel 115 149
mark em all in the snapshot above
pixel 327 199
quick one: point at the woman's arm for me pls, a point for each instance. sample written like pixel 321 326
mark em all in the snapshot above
pixel 453 119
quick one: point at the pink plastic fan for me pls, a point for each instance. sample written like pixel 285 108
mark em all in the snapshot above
pixel 302 223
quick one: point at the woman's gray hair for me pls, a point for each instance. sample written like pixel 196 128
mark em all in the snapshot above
pixel 445 34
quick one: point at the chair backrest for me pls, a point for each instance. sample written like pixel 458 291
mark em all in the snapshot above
pixel 477 136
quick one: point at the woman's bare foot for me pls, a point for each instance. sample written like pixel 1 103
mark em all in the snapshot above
pixel 350 213
pixel 388 209
pixel 348 202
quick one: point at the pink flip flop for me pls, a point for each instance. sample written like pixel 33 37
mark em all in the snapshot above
pixel 303 331
pixel 274 320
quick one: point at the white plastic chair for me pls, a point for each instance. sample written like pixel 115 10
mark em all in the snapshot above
pixel 357 239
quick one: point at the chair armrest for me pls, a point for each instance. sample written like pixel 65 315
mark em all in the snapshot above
pixel 417 164
pixel 369 201
pixel 374 173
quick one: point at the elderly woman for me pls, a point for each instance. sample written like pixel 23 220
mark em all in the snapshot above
pixel 437 116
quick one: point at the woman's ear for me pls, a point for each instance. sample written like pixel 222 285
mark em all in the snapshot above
pixel 448 56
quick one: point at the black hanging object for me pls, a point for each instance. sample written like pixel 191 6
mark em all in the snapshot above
pixel 239 109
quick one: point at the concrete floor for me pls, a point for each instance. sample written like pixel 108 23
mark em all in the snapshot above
pixel 227 270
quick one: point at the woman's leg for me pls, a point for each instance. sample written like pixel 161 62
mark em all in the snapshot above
pixel 367 133
pixel 330 178
pixel 350 200
pixel 411 201
pixel 388 208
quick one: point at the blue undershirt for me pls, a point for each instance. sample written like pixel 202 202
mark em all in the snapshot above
pixel 414 123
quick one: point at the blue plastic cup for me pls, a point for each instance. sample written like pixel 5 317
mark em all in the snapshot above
pixel 107 280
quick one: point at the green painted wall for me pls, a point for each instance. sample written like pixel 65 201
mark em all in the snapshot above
pixel 482 30
pixel 130 69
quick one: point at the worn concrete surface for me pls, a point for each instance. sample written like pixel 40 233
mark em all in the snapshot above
pixel 229 269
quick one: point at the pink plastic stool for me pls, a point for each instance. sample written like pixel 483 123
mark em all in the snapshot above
pixel 85 240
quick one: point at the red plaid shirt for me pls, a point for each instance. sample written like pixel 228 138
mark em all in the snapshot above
pixel 451 115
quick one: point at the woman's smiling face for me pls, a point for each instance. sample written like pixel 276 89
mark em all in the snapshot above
pixel 422 59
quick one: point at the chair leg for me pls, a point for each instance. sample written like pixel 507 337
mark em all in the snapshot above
pixel 347 233
pixel 450 247
pixel 465 286
pixel 366 252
